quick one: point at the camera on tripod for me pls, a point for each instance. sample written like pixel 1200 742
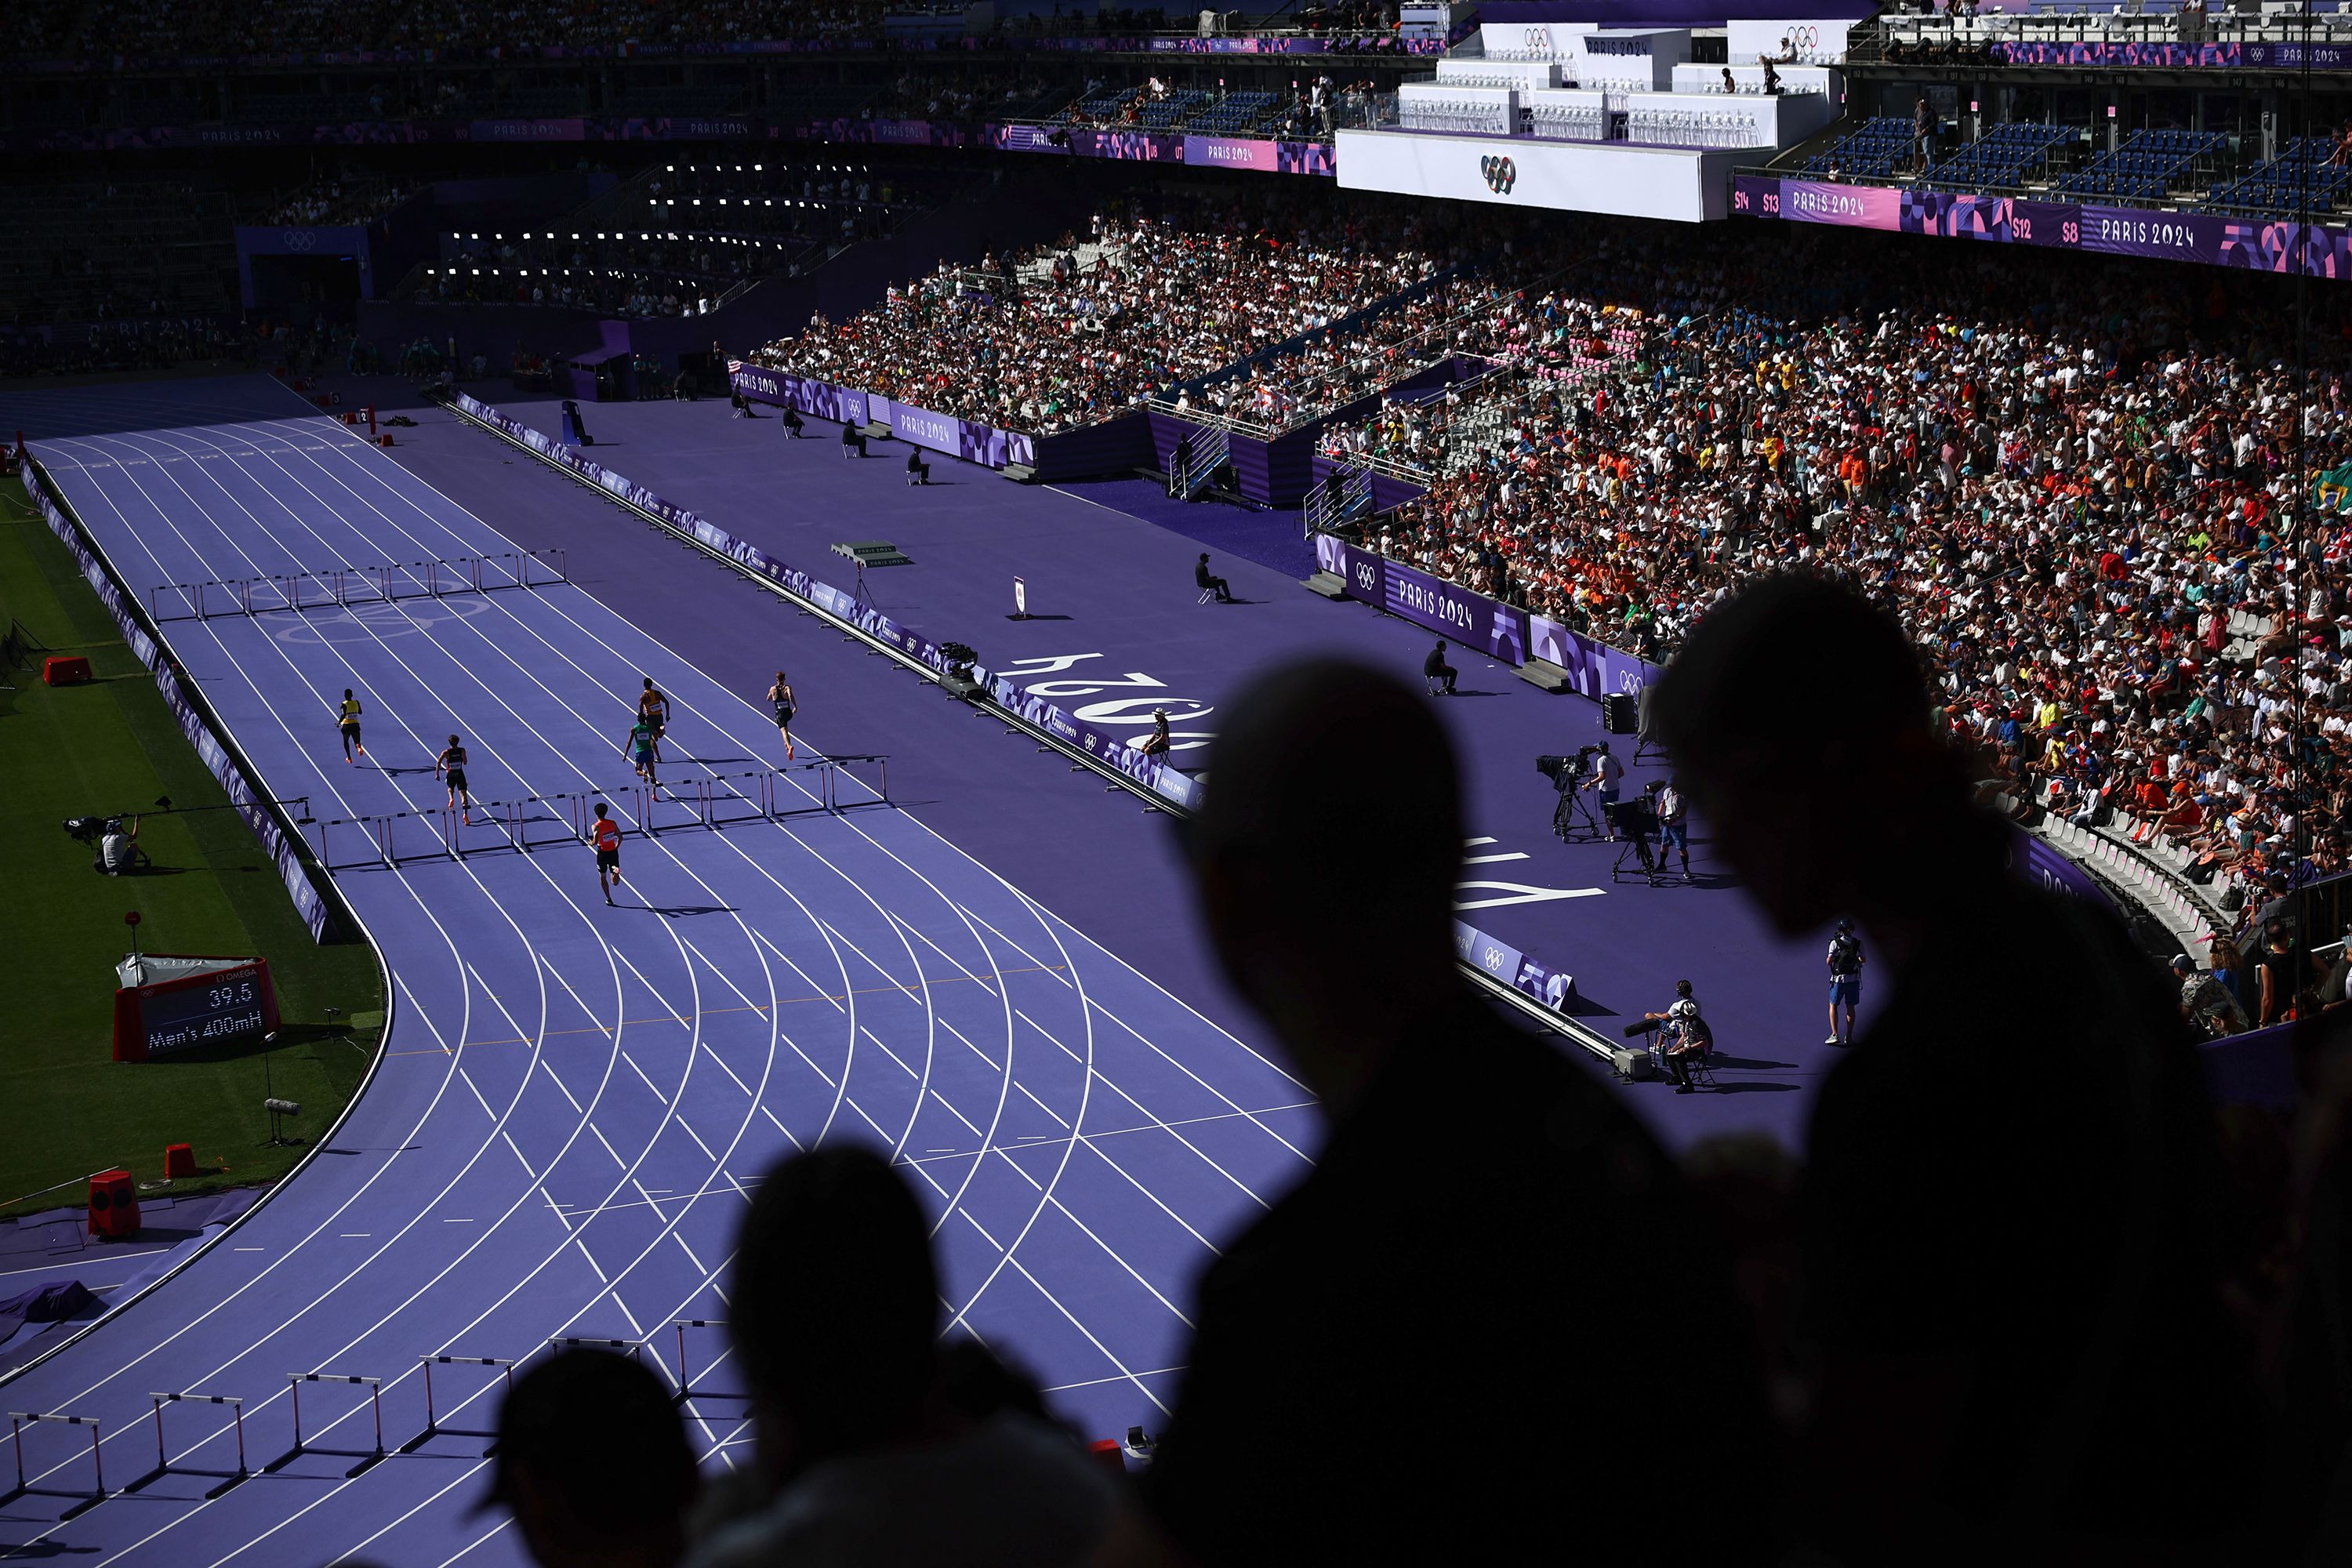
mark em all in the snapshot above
pixel 1566 772
pixel 87 830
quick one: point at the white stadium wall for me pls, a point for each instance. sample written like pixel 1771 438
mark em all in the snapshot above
pixel 1635 182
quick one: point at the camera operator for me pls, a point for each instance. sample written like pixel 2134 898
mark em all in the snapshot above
pixel 1674 825
pixel 118 851
pixel 1680 1034
pixel 1607 779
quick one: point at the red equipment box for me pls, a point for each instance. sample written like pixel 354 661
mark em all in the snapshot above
pixel 65 670
pixel 113 1205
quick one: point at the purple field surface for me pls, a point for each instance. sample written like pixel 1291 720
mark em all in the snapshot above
pixel 1118 631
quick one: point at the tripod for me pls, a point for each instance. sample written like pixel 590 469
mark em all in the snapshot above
pixel 1636 848
pixel 1572 818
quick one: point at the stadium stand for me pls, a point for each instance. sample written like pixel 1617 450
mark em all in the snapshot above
pixel 2148 167
pixel 2002 158
pixel 1873 150
pixel 2306 173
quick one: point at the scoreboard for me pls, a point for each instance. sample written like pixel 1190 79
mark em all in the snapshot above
pixel 181 1002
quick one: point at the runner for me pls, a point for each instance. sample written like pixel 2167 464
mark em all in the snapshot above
pixel 349 718
pixel 781 694
pixel 640 747
pixel 654 709
pixel 606 835
pixel 453 760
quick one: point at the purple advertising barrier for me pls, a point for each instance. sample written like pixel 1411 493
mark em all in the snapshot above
pixel 2318 250
pixel 2288 56
pixel 965 438
pixel 2045 867
pixel 1555 988
pixel 1159 777
pixel 1229 153
pixel 245 792
pixel 1846 206
pixel 2256 1068
pixel 556 129
pixel 1594 668
pixel 842 405
pixel 1471 619
pixel 1112 446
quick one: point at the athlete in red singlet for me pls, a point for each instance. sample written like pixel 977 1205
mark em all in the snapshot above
pixel 606 835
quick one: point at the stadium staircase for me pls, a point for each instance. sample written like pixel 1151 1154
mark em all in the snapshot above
pixel 1211 449
pixel 1327 513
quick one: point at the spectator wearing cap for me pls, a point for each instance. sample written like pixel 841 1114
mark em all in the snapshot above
pixel 592 1463
pixel 2205 1002
pixel 874 1458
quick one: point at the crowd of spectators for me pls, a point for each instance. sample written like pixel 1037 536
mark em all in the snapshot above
pixel 210 28
pixel 335 200
pixel 140 344
pixel 2080 495
pixel 201 29
pixel 1077 333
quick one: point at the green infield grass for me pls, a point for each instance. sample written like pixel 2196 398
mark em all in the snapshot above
pixel 67 1108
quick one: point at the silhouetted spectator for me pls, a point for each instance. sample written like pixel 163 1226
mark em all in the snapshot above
pixel 593 1461
pixel 1383 1370
pixel 880 1456
pixel 2010 1261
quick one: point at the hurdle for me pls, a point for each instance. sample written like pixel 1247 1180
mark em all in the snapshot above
pixel 686 1389
pixel 163 1465
pixel 344 586
pixel 432 1427
pixel 368 1458
pixel 559 1343
pixel 20 1419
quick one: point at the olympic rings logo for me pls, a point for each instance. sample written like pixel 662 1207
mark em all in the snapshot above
pixel 1500 175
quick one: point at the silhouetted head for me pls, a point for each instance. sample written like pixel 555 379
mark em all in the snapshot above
pixel 1798 717
pixel 1324 888
pixel 592 1460
pixel 836 1307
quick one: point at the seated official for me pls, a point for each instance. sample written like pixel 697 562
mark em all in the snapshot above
pixel 919 472
pixel 1209 583
pixel 793 422
pixel 1156 744
pixel 1435 667
pixel 853 441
